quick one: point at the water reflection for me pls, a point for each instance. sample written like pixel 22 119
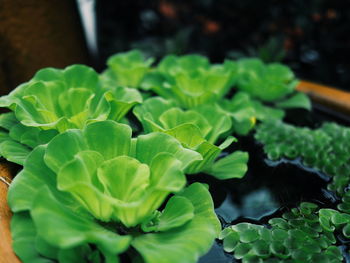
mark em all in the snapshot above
pixel 255 205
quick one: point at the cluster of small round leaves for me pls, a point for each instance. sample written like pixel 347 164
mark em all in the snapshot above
pixel 344 206
pixel 326 149
pixel 304 234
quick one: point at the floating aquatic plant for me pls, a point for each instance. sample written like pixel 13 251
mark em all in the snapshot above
pixel 269 82
pixel 127 69
pixel 191 80
pixel 83 188
pixel 65 99
pixel 244 111
pixel 198 129
pixel 326 149
pixel 304 234
pixel 54 101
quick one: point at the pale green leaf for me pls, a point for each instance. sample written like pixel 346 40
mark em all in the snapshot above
pixel 187 242
pixel 299 100
pixel 7 120
pixel 23 239
pixel 188 134
pixel 65 229
pixel 231 166
pixel 121 100
pixel 115 139
pixel 148 146
pixel 177 212
pixel 14 151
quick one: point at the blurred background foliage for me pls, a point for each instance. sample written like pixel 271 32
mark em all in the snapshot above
pixel 312 37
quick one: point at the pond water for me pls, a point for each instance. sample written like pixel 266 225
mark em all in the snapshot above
pixel 267 190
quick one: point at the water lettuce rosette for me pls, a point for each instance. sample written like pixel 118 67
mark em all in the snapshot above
pixel 271 83
pixel 265 82
pixel 198 129
pixel 65 99
pixel 97 191
pixel 127 69
pixel 191 80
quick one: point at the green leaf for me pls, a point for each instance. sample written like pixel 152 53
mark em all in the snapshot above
pixel 188 134
pixel 218 119
pixel 7 120
pixel 63 148
pixel 150 111
pixel 59 99
pixel 24 239
pixel 177 212
pixel 129 68
pixel 175 116
pixel 121 100
pixel 132 178
pixel 148 146
pixel 241 250
pixel 72 229
pixel 4 136
pixel 187 242
pixel 13 151
pixel 265 82
pixel 231 166
pixel 209 153
pixel 152 80
pixel 28 182
pixel 264 113
pixel 299 100
pixel 231 241
pixel 115 142
pixel 79 254
pixel 31 136
pixel 45 249
pixel 242 112
pixel 192 81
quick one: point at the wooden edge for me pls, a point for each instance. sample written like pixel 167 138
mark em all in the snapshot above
pixel 6 252
pixel 328 96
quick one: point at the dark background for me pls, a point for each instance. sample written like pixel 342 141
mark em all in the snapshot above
pixel 312 37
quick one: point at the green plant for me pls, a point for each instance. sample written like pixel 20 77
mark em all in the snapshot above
pixel 265 82
pixel 69 98
pixel 326 149
pixel 191 80
pixel 304 234
pixel 89 192
pixel 85 189
pixel 127 69
pixel 56 100
pixel 198 129
pixel 17 140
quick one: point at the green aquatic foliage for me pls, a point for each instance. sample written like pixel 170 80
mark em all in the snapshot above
pixel 264 93
pixel 344 206
pixel 121 100
pixel 58 99
pixel 304 234
pixel 245 110
pixel 17 140
pixel 65 99
pixel 83 188
pixel 191 80
pixel 269 82
pixel 127 69
pixel 198 129
pixel 326 149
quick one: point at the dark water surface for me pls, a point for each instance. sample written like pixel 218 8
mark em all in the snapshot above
pixel 269 188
